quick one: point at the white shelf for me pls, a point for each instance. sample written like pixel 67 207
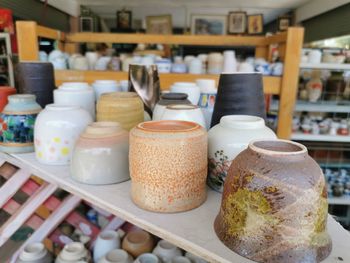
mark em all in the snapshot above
pixel 192 230
pixel 322 106
pixel 344 200
pixel 320 137
pixel 331 66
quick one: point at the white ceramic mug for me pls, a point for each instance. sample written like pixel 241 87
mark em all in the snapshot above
pixel 190 88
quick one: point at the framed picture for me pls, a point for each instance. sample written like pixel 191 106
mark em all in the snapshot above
pixel 237 22
pixel 86 24
pixel 255 24
pixel 284 22
pixel 208 24
pixel 124 19
pixel 161 25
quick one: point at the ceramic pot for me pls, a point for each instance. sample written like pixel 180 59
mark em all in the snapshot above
pixel 74 252
pixel 275 196
pixel 102 62
pixel 194 259
pixel 179 67
pixel 101 154
pixel 335 86
pixel 147 258
pixel 163 65
pixel 124 85
pixel 106 242
pixel 195 66
pixel 137 242
pixel 190 88
pixel 168 99
pixel 56 130
pixel 239 94
pixel 34 253
pixel 92 58
pixel 4 93
pixel 215 63
pixel 116 256
pixel 207 98
pixel 17 124
pixel 227 139
pixel 184 113
pixel 123 107
pixel 114 64
pixel 166 189
pixel 314 56
pixel 166 251
pixel 104 86
pixel 180 259
pixel 80 63
pixel 230 63
pixel 245 67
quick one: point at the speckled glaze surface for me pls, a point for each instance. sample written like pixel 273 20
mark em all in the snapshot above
pixel 123 107
pixel 168 165
pixel 274 205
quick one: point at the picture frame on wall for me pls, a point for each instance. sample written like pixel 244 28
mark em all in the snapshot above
pixel 284 22
pixel 124 19
pixel 208 24
pixel 86 24
pixel 237 22
pixel 160 25
pixel 255 24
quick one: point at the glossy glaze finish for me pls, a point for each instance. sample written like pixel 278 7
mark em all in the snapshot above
pixel 4 93
pixel 184 113
pixel 116 256
pixel 168 99
pixel 34 253
pixel 73 253
pixel 166 251
pixel 274 205
pixel 137 242
pixel 106 242
pixel 227 139
pixel 168 165
pixel 56 131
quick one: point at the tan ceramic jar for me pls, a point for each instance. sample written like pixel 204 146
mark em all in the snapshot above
pixel 123 107
pixel 168 165
pixel 137 242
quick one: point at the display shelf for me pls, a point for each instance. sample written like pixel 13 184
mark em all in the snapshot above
pixel 339 165
pixel 192 230
pixel 321 106
pixel 320 137
pixel 343 200
pixel 330 66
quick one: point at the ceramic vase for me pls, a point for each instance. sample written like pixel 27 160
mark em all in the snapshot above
pixel 76 94
pixel 166 251
pixel 17 124
pixel 104 86
pixel 56 130
pixel 106 242
pixel 137 242
pixel 275 196
pixel 155 184
pixel 239 94
pixel 190 88
pixel 230 63
pixel 116 256
pixel 100 155
pixel 123 107
pixel 73 253
pixel 207 98
pixel 34 253
pixel 4 93
pixel 184 112
pixel 147 258
pixel 227 139
pixel 168 99
pixel 180 259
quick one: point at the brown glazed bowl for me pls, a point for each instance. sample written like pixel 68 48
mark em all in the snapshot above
pixel 274 205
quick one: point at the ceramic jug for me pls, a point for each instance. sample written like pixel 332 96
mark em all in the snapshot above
pixel 184 112
pixel 116 256
pixel 106 241
pixel 74 252
pixel 137 242
pixel 166 251
pixel 34 253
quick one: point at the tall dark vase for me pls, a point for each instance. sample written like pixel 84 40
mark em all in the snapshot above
pixel 239 94
pixel 36 78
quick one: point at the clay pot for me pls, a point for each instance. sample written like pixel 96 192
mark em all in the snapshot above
pixel 274 205
pixel 137 242
pixel 4 93
pixel 156 147
pixel 123 107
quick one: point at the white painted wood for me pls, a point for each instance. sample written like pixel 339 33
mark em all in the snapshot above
pixel 319 106
pixel 192 230
pixel 330 66
pixel 320 137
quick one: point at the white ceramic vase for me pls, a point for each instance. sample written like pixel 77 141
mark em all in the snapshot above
pixel 190 88
pixel 105 86
pixel 184 112
pixel 106 242
pixel 116 256
pixel 34 253
pixel 230 63
pixel 77 94
pixel 227 139
pixel 147 258
pixel 92 58
pixel 56 130
pixel 166 251
pixel 74 252
pixel 195 66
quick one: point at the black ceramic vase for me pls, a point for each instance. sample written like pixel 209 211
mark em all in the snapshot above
pixel 239 94
pixel 36 78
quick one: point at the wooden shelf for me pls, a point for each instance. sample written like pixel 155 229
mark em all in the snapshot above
pixel 330 66
pixel 192 230
pixel 320 137
pixel 321 106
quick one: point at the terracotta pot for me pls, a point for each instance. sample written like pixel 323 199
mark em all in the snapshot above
pixel 4 93
pixel 156 148
pixel 137 242
pixel 123 107
pixel 274 205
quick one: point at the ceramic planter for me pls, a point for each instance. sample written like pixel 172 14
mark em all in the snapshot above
pixel 73 253
pixel 106 242
pixel 116 256
pixel 34 253
pixel 101 154
pixel 137 242
pixel 76 94
pixel 274 205
pixel 190 88
pixel 17 124
pixel 4 93
pixel 104 86
pixel 56 131
pixel 239 94
pixel 184 113
pixel 166 251
pixel 157 147
pixel 227 139
pixel 168 99
pixel 123 107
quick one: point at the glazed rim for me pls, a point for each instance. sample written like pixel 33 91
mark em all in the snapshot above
pixel 181 107
pixel 109 235
pixel 102 128
pixel 277 147
pixel 22 97
pixel 242 121
pixel 74 86
pixel 105 81
pixel 74 247
pixel 119 94
pixel 116 255
pixel 37 249
pixel 168 126
pixel 184 84
pixel 166 245
pixel 239 73
pixel 58 107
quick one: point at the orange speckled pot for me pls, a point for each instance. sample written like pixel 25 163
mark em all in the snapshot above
pixel 274 205
pixel 168 165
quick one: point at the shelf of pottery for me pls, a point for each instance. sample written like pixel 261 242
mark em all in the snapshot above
pixel 6 68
